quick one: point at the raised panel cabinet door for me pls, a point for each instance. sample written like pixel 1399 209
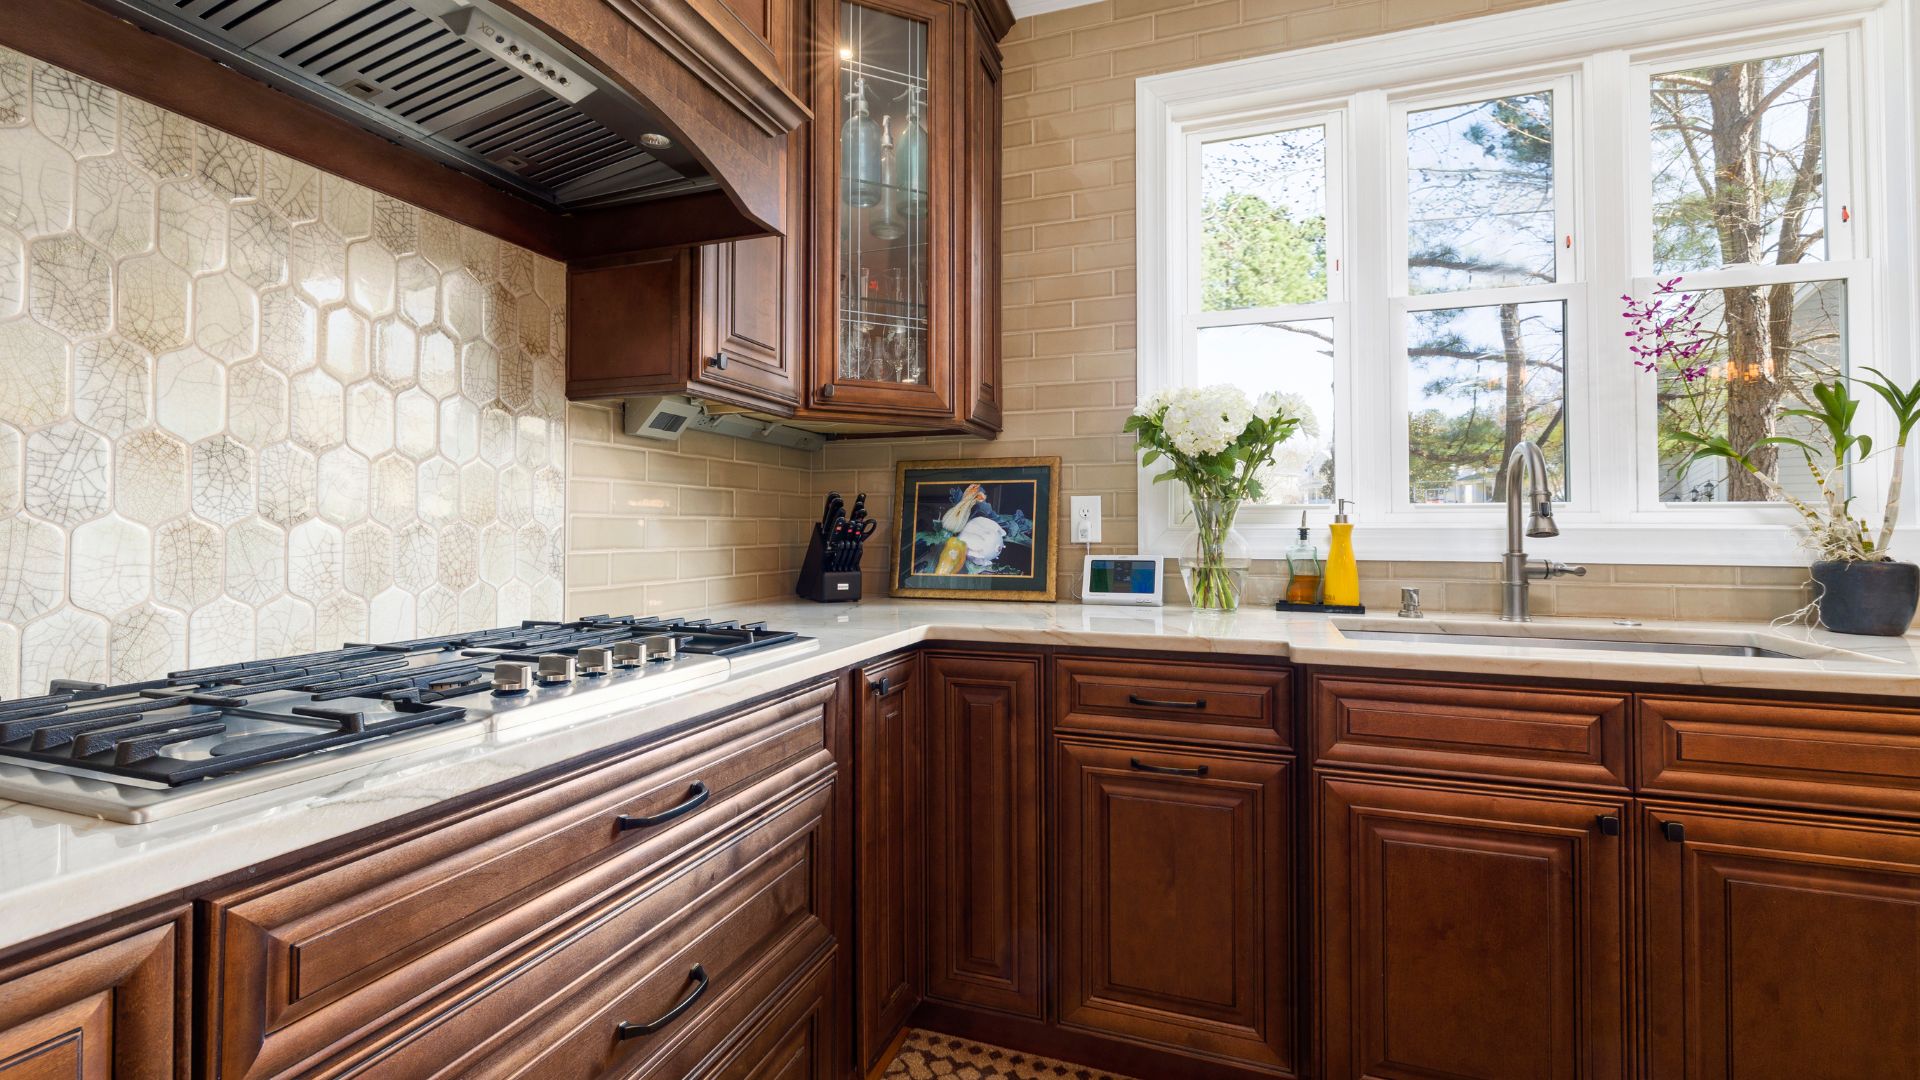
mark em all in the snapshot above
pixel 1780 946
pixel 984 832
pixel 890 915
pixel 110 1006
pixel 1470 932
pixel 1175 895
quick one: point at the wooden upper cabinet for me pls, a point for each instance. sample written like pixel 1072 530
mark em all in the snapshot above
pixel 1175 885
pixel 984 832
pixel 1469 932
pixel 1780 946
pixel 887 113
pixel 878 307
pixel 111 1007
pixel 890 904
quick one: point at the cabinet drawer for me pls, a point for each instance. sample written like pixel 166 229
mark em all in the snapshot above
pixel 1187 701
pixel 793 1042
pixel 112 1005
pixel 1844 756
pixel 653 982
pixel 1555 736
pixel 305 964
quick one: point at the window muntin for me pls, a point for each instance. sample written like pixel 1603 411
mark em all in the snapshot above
pixel 1480 197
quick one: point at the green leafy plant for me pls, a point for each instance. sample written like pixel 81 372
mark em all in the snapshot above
pixel 1834 533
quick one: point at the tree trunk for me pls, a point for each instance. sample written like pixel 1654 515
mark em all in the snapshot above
pixel 1515 350
pixel 1753 391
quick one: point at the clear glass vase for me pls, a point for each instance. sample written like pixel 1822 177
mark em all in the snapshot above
pixel 1215 565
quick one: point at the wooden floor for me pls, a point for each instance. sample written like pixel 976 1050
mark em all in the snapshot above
pixel 925 1055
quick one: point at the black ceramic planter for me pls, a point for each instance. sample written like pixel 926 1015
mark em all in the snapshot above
pixel 1867 597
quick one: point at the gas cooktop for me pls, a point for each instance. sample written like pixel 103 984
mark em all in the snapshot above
pixel 144 750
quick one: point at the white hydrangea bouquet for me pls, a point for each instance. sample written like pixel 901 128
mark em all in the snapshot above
pixel 1215 441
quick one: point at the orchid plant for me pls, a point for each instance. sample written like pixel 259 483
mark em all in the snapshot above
pixel 1665 332
pixel 1214 441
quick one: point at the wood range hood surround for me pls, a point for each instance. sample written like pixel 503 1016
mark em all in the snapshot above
pixel 701 70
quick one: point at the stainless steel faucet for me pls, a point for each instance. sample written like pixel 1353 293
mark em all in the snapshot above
pixel 1516 570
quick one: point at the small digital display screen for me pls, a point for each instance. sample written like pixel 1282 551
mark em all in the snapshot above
pixel 1129 576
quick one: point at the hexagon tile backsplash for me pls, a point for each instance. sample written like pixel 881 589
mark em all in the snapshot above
pixel 247 408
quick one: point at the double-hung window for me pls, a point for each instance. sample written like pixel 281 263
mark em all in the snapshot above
pixel 1428 242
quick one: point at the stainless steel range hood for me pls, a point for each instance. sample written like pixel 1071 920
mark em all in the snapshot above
pixel 464 82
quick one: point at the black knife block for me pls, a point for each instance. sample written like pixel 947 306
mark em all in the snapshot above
pixel 821 585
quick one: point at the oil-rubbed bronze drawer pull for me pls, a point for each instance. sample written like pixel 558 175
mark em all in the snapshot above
pixel 700 984
pixel 696 798
pixel 1156 703
pixel 1167 770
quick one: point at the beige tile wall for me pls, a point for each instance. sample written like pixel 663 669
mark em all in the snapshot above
pixel 666 529
pixel 1069 288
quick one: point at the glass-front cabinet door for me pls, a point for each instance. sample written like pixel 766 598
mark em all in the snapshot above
pixel 884 206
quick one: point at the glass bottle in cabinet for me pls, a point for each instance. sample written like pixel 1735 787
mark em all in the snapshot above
pixel 886 229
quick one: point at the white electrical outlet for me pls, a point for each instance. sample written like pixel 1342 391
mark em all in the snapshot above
pixel 1084 512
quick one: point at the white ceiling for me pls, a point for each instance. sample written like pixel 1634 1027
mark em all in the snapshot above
pixel 1025 8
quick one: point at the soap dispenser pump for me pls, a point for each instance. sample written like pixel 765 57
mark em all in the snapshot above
pixel 1343 572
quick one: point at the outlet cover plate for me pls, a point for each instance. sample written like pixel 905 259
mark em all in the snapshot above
pixel 1083 519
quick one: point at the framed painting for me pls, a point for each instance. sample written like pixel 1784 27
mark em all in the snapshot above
pixel 976 530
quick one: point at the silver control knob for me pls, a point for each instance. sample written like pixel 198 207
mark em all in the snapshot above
pixel 629 654
pixel 594 661
pixel 662 647
pixel 510 677
pixel 556 670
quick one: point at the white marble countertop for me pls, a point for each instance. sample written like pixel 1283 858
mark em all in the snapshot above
pixel 58 869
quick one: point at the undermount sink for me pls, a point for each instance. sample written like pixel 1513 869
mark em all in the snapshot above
pixel 1663 641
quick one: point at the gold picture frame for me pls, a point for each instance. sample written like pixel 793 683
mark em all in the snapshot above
pixel 1018 499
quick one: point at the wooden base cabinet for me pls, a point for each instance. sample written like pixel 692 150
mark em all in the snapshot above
pixel 1175 900
pixel 984 832
pixel 1470 932
pixel 1780 946
pixel 890 924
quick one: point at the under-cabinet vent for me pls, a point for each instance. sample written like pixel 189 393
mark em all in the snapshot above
pixel 462 81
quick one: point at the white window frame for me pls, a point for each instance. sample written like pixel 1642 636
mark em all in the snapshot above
pixel 1603 50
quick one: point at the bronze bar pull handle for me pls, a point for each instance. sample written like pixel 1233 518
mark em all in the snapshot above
pixel 700 984
pixel 1167 770
pixel 1158 703
pixel 696 797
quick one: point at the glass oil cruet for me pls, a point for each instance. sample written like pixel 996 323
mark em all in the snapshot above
pixel 860 172
pixel 887 225
pixel 1305 572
